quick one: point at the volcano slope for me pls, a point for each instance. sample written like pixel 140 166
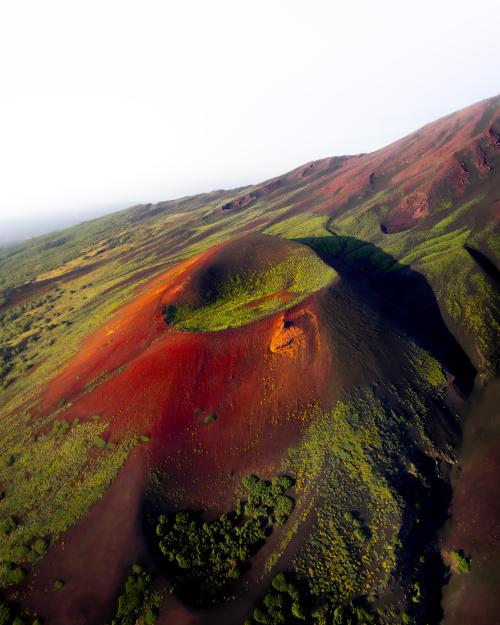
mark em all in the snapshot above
pixel 247 406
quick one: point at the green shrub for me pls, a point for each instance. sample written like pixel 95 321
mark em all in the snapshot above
pixel 297 611
pixel 40 546
pixel 151 615
pixel 211 418
pixel 131 600
pixel 5 614
pixel 12 574
pixel 249 481
pixel 8 525
pixel 58 584
pixel 261 617
pixel 283 508
pixel 461 562
pixel 20 552
pixel 279 583
pixel 416 595
pixel 273 600
pixel 280 484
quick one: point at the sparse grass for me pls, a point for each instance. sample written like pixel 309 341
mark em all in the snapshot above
pixel 53 480
pixel 305 225
pixel 338 464
pixel 427 369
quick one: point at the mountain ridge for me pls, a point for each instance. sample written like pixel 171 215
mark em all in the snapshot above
pixel 325 331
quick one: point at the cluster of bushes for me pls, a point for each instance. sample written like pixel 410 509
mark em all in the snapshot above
pixel 9 616
pixel 266 498
pixel 286 604
pixel 7 354
pixel 10 572
pixel 283 604
pixel 131 602
pixel 204 556
pixel 23 552
pixel 17 355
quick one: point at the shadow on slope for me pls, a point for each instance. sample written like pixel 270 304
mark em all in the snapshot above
pixel 485 263
pixel 406 297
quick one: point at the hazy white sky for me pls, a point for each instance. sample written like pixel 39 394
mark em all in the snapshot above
pixel 112 102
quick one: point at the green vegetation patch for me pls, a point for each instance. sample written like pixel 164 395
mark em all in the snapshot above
pixel 289 603
pixel 356 514
pixel 460 561
pixel 251 295
pixel 435 247
pixel 305 225
pixel 205 556
pixel 10 615
pixel 131 601
pixel 54 479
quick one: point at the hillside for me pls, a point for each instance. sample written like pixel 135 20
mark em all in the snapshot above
pixel 262 405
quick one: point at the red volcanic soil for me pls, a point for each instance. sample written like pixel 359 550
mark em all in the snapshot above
pixel 475 513
pixel 215 404
pixel 94 556
pixel 441 161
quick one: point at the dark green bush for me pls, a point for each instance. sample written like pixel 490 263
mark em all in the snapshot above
pixel 280 583
pixel 20 552
pixel 283 508
pixel 8 525
pixel 261 617
pixel 14 575
pixel 131 600
pixel 40 546
pixel 205 556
